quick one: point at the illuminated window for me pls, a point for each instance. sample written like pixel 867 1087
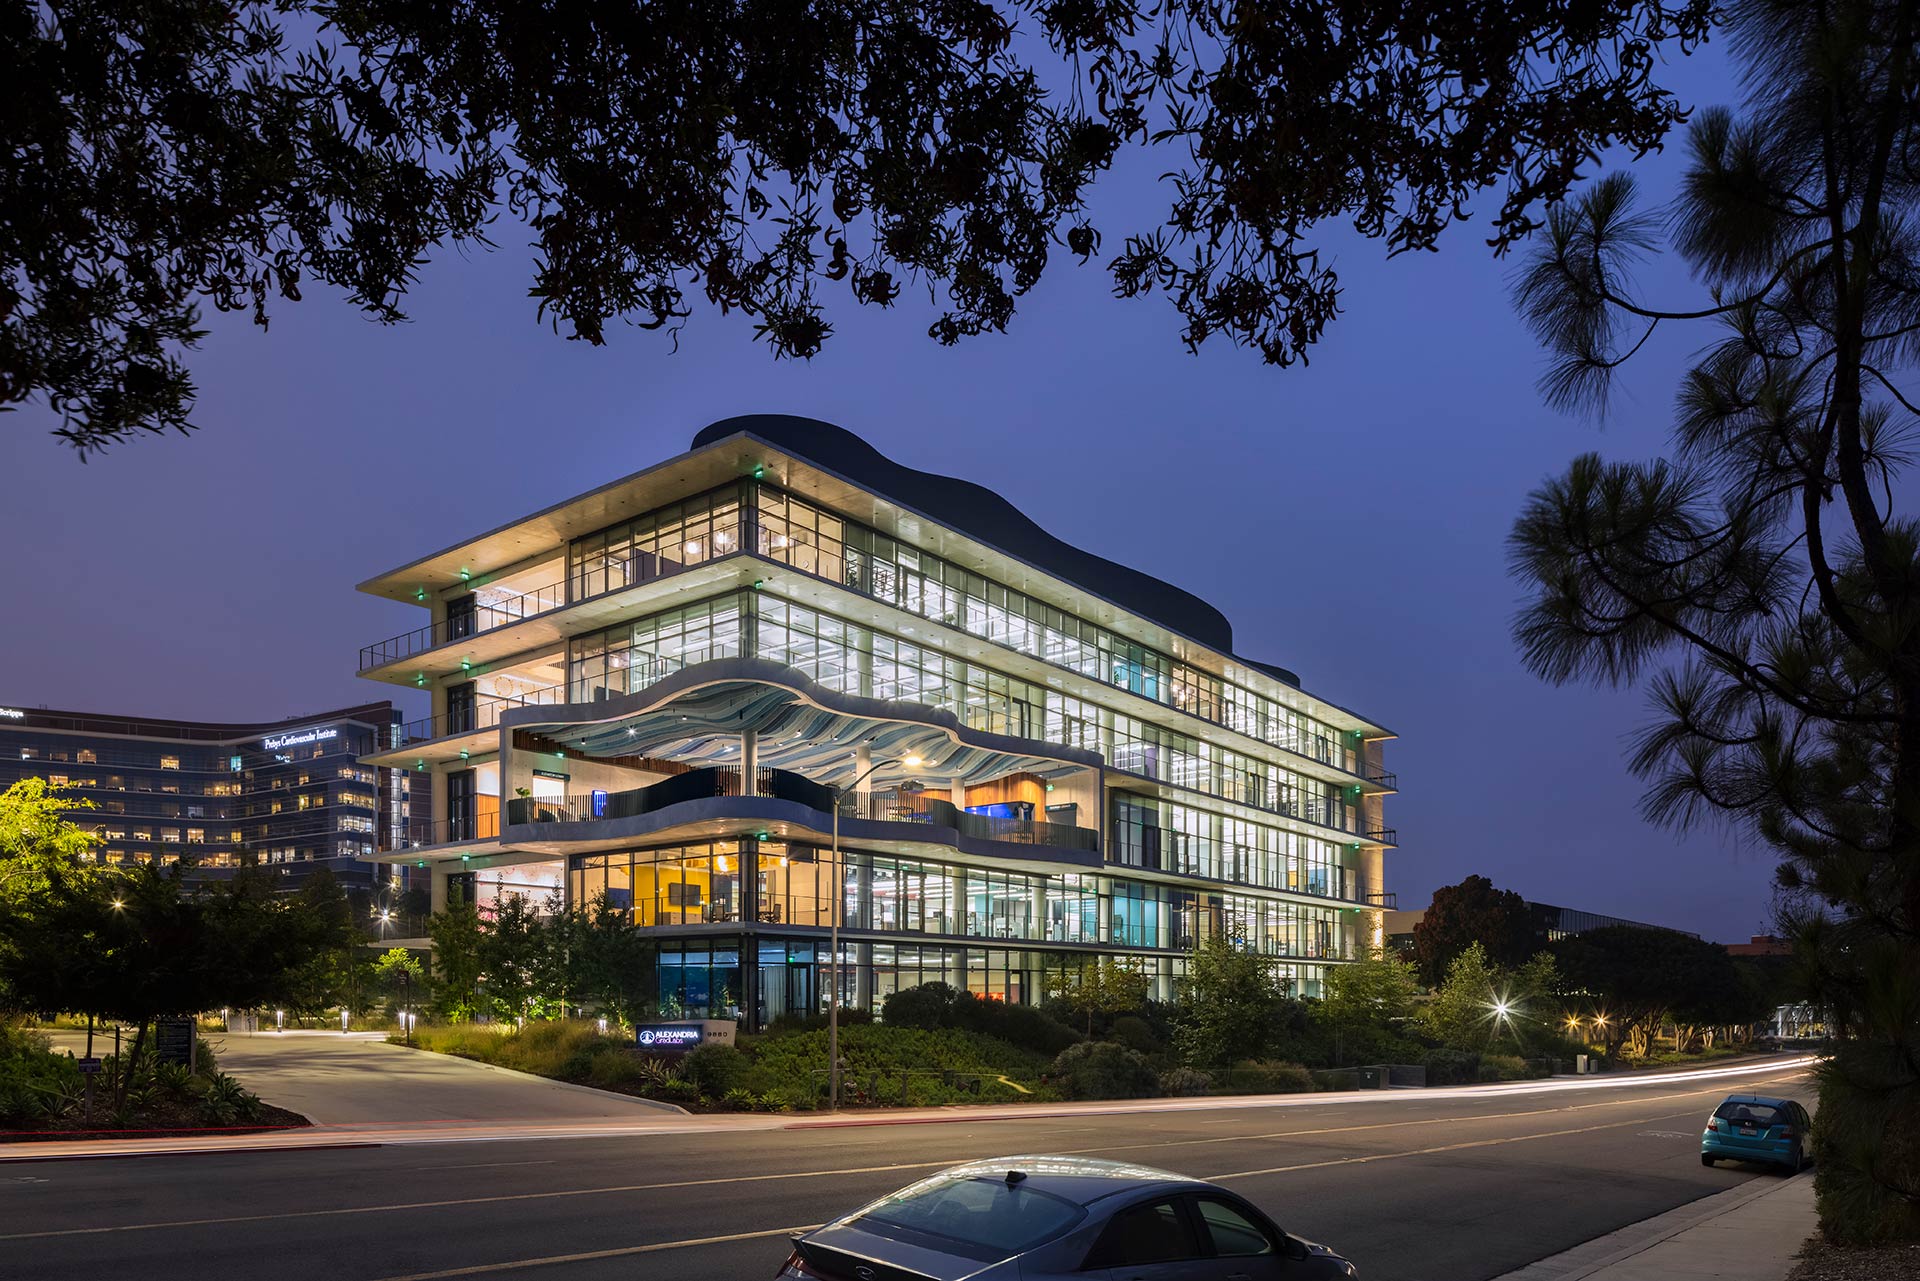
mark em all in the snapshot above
pixel 169 762
pixel 196 836
pixel 85 756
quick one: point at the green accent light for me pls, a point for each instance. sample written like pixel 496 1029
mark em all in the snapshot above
pixel 759 471
pixel 1049 787
pixel 466 665
pixel 421 863
pixel 758 583
pixel 419 593
pixel 464 575
pixel 561 755
pixel 420 764
pixel 761 836
pixel 465 857
pixel 463 753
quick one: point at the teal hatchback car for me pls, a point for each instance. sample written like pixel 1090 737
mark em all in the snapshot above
pixel 1752 1127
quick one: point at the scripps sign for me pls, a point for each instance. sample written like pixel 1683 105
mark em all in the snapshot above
pixel 12 714
pixel 298 738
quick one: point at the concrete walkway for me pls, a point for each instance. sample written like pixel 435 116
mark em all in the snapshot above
pixel 357 1078
pixel 1750 1233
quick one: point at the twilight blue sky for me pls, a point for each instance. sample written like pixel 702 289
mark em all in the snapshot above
pixel 1348 517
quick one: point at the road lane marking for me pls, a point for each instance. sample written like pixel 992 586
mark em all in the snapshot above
pixel 1447 1147
pixel 501 1198
pixel 460 1201
pixel 481 1165
pixel 585 1256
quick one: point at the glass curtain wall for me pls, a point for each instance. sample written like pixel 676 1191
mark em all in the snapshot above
pixel 821 543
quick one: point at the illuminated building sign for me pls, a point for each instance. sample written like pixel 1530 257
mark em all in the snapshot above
pixel 672 1038
pixel 12 714
pixel 298 738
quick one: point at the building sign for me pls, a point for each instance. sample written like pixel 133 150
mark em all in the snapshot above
pixel 676 1038
pixel 299 737
pixel 12 714
pixel 173 1041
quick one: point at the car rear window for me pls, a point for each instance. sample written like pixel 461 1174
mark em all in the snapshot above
pixel 1005 1217
pixel 1750 1113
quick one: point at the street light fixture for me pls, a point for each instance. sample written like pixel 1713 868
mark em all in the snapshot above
pixel 839 910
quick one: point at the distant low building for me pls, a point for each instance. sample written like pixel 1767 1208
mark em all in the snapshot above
pixel 1549 923
pixel 1761 945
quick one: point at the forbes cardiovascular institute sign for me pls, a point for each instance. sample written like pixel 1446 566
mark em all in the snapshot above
pixel 674 1038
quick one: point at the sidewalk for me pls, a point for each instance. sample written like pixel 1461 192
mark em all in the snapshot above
pixel 1749 1233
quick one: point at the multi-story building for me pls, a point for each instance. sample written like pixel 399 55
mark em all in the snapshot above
pixel 675 694
pixel 289 795
pixel 1549 924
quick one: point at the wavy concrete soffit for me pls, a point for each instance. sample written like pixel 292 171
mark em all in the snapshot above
pixel 762 811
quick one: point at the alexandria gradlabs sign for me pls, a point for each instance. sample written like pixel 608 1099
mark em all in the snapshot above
pixel 671 1038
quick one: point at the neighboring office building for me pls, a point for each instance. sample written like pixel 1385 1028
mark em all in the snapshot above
pixel 1549 923
pixel 1761 945
pixel 290 795
pixel 648 692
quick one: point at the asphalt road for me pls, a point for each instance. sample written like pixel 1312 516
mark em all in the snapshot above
pixel 1412 1188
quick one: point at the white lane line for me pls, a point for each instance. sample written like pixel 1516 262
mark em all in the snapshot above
pixel 481 1165
pixel 588 1255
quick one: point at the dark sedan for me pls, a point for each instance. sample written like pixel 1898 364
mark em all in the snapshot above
pixel 1055 1218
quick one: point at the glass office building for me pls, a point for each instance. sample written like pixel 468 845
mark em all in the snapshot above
pixel 669 694
pixel 290 796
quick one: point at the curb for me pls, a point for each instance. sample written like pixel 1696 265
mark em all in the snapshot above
pixel 673 1109
pixel 1618 1246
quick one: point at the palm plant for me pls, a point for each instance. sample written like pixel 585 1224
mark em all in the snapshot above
pixel 1763 582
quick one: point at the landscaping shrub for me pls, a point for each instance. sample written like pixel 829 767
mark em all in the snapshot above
pixel 908 1062
pixel 1104 1070
pixel 1265 1076
pixel 1452 1067
pixel 1185 1082
pixel 1134 1032
pixel 940 1005
pixel 1505 1067
pixel 715 1070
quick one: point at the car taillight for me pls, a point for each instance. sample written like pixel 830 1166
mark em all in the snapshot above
pixel 796 1266
pixel 1786 1131
pixel 1713 1123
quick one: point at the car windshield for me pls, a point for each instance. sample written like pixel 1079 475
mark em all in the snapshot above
pixel 1749 1113
pixel 985 1212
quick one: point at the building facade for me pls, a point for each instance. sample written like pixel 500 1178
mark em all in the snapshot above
pixel 291 796
pixel 1549 923
pixel 675 694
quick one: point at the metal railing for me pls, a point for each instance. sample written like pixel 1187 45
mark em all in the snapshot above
pixel 588 581
pixel 421 833
pixel 1384 835
pixel 486 617
pixel 779 784
pixel 1389 899
pixel 484 714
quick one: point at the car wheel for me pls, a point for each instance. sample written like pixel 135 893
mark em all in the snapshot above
pixel 1799 1161
pixel 1705 1159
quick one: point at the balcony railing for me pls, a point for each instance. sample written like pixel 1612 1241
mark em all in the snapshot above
pixel 419 833
pixel 1385 778
pixel 1389 899
pixel 600 578
pixel 485 617
pixel 779 784
pixel 1384 835
pixel 484 714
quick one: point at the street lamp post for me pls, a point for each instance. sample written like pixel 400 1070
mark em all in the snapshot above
pixel 840 910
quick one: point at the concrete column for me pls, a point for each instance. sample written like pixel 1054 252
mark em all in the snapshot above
pixel 749 761
pixel 437 889
pixel 863 795
pixel 863 976
pixel 957 901
pixel 1038 929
